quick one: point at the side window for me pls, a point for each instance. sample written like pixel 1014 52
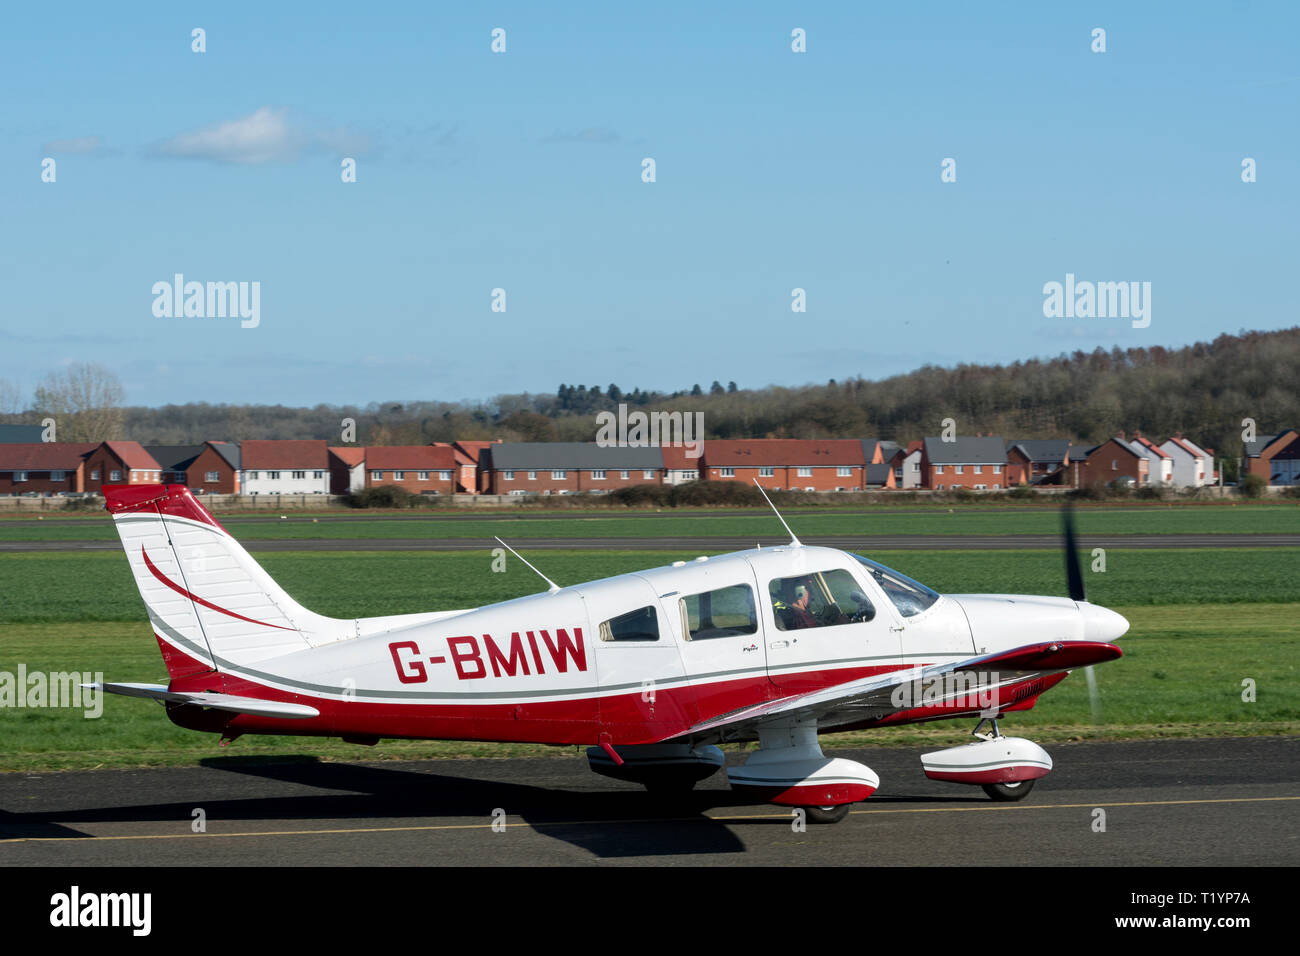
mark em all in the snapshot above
pixel 726 612
pixel 639 625
pixel 820 599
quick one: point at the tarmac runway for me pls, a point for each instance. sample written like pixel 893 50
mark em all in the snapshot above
pixel 854 542
pixel 1210 802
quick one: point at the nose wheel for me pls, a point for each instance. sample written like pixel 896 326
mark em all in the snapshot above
pixel 826 814
pixel 1009 792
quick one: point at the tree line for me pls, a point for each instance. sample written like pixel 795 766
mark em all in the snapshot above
pixel 1204 390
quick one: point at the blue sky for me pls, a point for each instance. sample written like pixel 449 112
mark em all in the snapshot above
pixel 522 171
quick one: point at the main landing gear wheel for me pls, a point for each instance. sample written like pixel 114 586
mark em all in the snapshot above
pixel 827 814
pixel 1009 792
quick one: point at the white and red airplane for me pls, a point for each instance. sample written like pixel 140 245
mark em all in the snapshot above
pixel 652 669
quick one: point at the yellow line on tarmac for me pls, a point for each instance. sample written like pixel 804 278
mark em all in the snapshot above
pixel 577 823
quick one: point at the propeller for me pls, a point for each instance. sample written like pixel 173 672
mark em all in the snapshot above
pixel 1073 572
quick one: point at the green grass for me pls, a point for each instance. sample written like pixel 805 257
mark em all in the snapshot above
pixel 1202 621
pixel 97 586
pixel 1181 675
pixel 1153 518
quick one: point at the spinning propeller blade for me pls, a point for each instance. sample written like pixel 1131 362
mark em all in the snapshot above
pixel 1073 572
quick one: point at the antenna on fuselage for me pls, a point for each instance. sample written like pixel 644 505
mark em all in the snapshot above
pixel 794 542
pixel 553 586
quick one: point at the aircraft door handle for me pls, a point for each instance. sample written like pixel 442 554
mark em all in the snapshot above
pixel 775 645
pixel 897 628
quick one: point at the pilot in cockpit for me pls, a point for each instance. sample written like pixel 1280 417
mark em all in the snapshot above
pixel 796 612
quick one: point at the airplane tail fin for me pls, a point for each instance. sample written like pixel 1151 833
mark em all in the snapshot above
pixel 212 606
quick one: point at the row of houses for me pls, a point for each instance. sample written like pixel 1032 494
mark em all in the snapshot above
pixel 982 462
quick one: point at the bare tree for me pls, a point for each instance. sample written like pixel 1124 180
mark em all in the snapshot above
pixel 85 400
pixel 11 402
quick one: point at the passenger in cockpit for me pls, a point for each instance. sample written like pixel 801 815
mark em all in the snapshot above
pixel 797 614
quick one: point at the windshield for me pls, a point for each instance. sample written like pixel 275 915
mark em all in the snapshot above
pixel 910 597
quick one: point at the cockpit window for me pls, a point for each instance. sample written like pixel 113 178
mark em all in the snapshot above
pixel 910 597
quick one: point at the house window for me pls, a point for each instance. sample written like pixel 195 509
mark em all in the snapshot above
pixel 422 475
pixel 558 474
pixel 376 476
pixel 273 475
pixel 765 472
pixel 1114 464
pixel 981 487
pixel 58 476
pixel 211 476
pixel 250 476
pixel 318 475
pixel 958 469
pixel 532 476
pixel 805 472
pixel 916 466
pixel 690 475
pixel 843 471
pixel 94 475
pixel 996 485
pixel 728 473
pixel 445 475
pixel 299 475
pixel 648 473
pixel 114 475
pixel 507 476
pixel 938 487
pixel 597 474
pixel 997 470
pixel 979 469
pixel 20 476
pixel 623 475
pixel 399 476
pixel 938 469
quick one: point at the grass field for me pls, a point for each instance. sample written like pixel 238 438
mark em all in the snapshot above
pixel 1203 621
pixel 1154 518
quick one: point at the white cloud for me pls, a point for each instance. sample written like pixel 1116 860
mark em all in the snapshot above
pixel 80 145
pixel 265 136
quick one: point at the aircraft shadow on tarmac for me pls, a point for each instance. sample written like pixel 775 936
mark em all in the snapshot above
pixel 607 822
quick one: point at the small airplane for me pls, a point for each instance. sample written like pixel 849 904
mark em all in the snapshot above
pixel 651 670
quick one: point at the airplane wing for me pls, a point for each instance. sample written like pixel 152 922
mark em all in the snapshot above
pixel 238 705
pixel 991 682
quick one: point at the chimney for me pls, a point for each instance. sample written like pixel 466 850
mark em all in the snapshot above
pixel 1121 435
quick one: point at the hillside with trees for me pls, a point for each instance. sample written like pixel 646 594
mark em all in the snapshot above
pixel 1203 390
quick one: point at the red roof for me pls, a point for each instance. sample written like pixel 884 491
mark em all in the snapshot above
pixel 258 455
pixel 472 449
pixel 677 459
pixel 44 455
pixel 756 452
pixel 410 457
pixel 350 455
pixel 132 455
pixel 1147 443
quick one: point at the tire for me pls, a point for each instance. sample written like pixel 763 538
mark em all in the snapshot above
pixel 827 814
pixel 1009 792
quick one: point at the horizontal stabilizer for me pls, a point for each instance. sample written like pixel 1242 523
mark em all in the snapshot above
pixel 238 705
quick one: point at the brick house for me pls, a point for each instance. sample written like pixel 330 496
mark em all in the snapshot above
pixel 284 467
pixel 215 470
pixel 551 468
pixel 1038 461
pixel 881 476
pixel 1273 459
pixel 1108 462
pixel 469 479
pixel 1193 465
pixel 835 464
pixel 419 469
pixel 46 468
pixel 906 462
pixel 120 463
pixel 347 469
pixel 977 463
pixel 679 467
